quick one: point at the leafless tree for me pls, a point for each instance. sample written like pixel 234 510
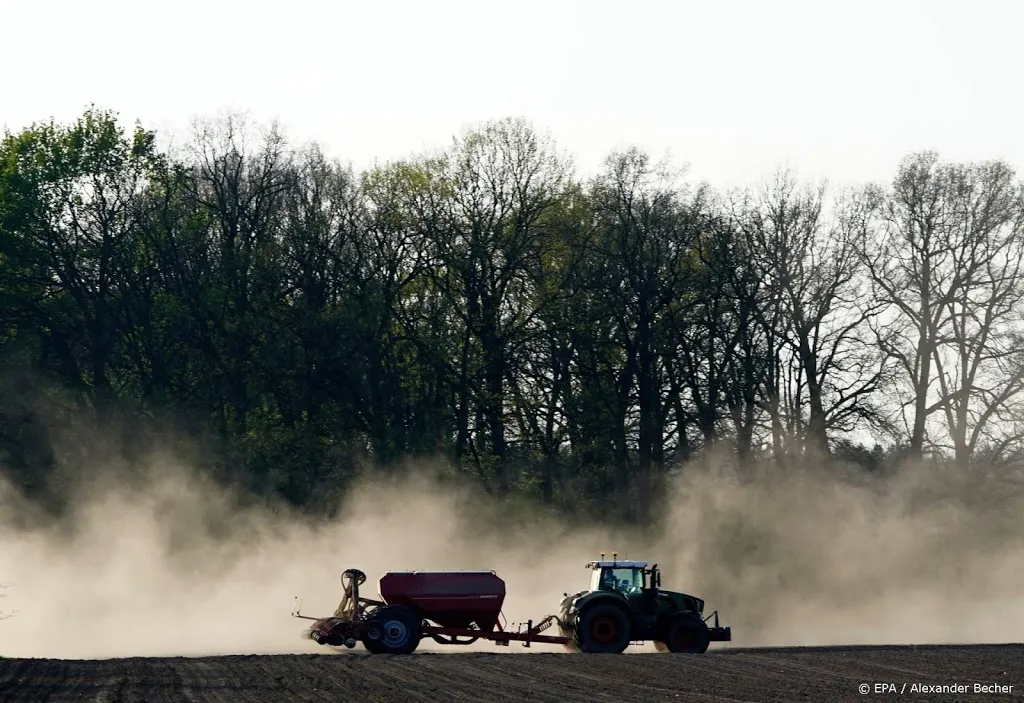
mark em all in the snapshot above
pixel 816 312
pixel 946 255
pixel 648 220
pixel 237 180
pixel 495 189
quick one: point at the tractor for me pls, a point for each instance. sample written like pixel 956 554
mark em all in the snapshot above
pixel 625 603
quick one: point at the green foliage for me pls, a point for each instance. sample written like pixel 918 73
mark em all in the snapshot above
pixel 558 341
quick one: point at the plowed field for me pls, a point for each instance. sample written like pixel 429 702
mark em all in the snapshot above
pixel 798 674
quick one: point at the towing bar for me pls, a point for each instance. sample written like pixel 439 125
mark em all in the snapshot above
pixel 500 637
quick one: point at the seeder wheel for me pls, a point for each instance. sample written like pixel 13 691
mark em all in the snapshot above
pixel 371 637
pixel 392 630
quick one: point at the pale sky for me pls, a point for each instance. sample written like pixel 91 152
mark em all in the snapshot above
pixel 732 87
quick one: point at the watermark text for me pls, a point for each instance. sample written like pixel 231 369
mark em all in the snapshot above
pixel 915 688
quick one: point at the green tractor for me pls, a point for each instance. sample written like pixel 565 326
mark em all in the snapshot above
pixel 625 604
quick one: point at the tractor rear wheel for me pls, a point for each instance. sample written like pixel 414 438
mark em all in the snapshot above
pixel 603 629
pixel 686 634
pixel 392 630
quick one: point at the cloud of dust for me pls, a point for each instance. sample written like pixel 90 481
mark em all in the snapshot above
pixel 812 557
pixel 174 567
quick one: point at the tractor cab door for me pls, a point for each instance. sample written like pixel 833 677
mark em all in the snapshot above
pixel 649 600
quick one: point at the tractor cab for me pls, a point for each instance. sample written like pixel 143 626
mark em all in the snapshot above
pixel 625 577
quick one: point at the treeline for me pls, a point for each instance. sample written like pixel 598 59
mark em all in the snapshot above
pixel 570 339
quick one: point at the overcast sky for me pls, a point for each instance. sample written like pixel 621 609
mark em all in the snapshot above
pixel 732 87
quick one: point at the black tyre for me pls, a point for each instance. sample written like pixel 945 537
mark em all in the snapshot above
pixel 686 634
pixel 372 636
pixel 603 628
pixel 392 630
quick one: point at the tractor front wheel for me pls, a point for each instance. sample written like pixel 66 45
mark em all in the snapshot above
pixel 603 629
pixel 686 634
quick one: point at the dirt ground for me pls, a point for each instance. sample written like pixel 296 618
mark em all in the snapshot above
pixel 798 674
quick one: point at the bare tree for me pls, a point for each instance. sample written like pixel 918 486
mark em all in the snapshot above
pixel 816 313
pixel 496 187
pixel 648 221
pixel 734 310
pixel 236 186
pixel 945 255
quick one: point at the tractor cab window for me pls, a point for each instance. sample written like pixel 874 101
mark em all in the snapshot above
pixel 621 580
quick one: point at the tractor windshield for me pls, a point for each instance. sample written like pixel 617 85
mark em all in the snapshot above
pixel 621 580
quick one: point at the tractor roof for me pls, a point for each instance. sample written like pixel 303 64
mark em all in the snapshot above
pixel 617 564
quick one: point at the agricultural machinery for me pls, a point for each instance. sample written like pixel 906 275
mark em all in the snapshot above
pixel 624 604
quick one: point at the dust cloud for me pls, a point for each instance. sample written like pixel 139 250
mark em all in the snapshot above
pixel 172 565
pixel 814 557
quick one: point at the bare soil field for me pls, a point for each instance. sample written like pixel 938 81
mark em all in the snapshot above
pixel 769 674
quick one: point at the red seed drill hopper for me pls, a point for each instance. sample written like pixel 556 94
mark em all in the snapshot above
pixel 451 607
pixel 624 604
